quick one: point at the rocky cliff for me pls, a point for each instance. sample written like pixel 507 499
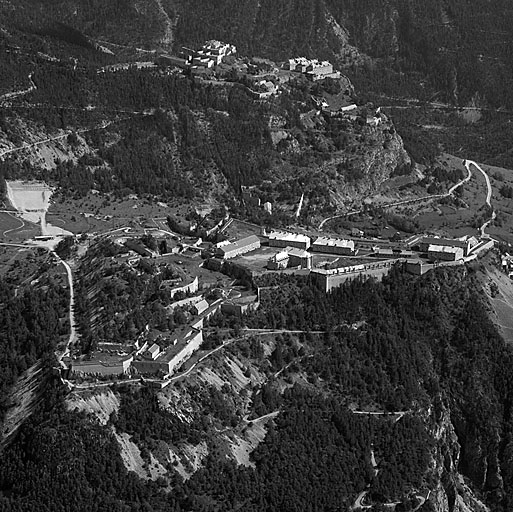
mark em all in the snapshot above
pixel 452 492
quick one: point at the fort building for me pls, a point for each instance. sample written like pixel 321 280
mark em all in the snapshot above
pixel 299 257
pixel 334 246
pixel 173 356
pixel 102 364
pixel 285 239
pixel 466 243
pixel 239 247
pixel 278 261
pixel 445 253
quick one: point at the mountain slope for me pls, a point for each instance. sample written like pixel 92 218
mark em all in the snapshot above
pixel 405 399
pixel 461 51
pixel 198 139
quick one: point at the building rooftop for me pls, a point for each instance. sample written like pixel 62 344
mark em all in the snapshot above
pixel 245 299
pixel 298 253
pixel 384 251
pixel 201 306
pixel 300 60
pixel 397 251
pixel 115 347
pixel 444 248
pixel 240 243
pixel 446 241
pixel 213 43
pixel 291 237
pixel 183 337
pixel 318 63
pixel 101 358
pixel 153 349
pixel 334 242
pixel 282 255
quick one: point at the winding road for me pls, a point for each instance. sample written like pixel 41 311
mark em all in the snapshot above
pixel 73 335
pixel 15 94
pixel 399 414
pixel 467 164
pixel 220 347
pixel 373 462
pixel 73 332
pixel 358 504
pixel 262 332
pixel 441 106
pixel 261 418
pixel 406 201
pixel 202 358
pixel 17 227
pixel 482 229
pixel 101 126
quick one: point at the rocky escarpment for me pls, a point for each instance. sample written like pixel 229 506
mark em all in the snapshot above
pixel 384 153
pixel 218 396
pixel 354 155
pixel 451 492
pixel 234 382
pixel 472 425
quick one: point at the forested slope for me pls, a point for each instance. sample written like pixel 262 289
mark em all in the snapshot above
pixel 30 327
pixel 451 50
pixel 177 137
pixel 456 51
pixel 422 347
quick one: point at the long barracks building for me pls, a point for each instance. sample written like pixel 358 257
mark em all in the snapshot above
pixel 465 243
pixel 239 247
pixel 334 246
pixel 286 239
